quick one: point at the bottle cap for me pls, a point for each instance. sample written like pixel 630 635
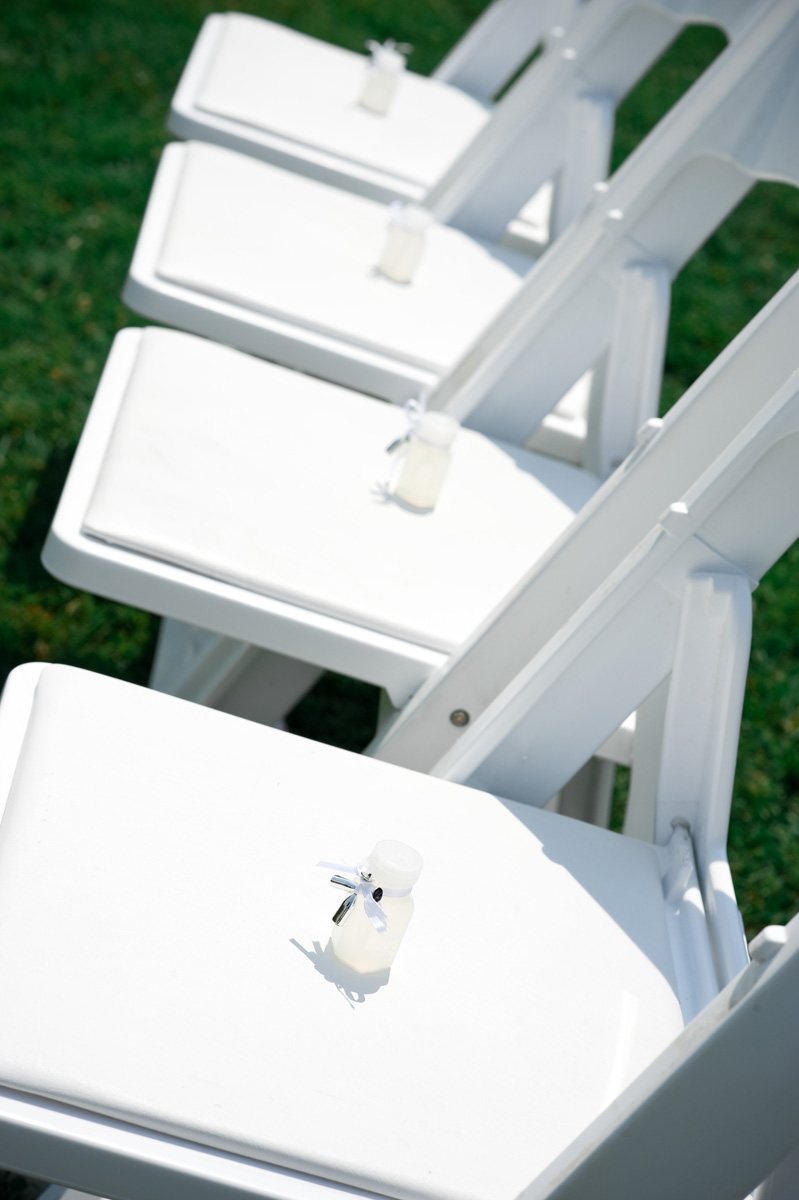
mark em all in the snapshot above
pixel 411 217
pixel 438 429
pixel 394 865
pixel 387 57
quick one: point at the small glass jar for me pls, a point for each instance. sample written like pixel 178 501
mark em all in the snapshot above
pixel 405 241
pixel 426 458
pixel 383 75
pixel 394 868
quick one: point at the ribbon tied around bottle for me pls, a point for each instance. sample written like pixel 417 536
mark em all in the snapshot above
pixel 414 411
pixel 360 884
pixel 389 48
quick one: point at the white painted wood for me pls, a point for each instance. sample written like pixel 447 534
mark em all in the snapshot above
pixel 306 253
pixel 619 746
pixel 679 588
pixel 587 158
pixel 688 441
pixel 639 815
pixel 54 1192
pixel 679 607
pixel 737 518
pixel 784 1183
pixel 227 674
pixel 571 315
pixel 588 795
pixel 255 86
pixel 696 432
pixel 705 1071
pixel 193 663
pixel 277 95
pixel 700 741
pixel 561 109
pixel 388 616
pixel 297 494
pixel 724 1099
pixel 280 92
pixel 330 643
pixel 660 206
pixel 84 1108
pixel 204 976
pixel 496 45
pixel 635 362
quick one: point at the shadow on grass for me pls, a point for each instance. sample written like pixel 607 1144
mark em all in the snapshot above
pixel 43 620
pixel 339 711
pixel 24 566
pixel 17 1187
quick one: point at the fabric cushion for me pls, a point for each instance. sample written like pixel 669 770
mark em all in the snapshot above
pixel 157 860
pixel 269 479
pixel 276 79
pixel 272 242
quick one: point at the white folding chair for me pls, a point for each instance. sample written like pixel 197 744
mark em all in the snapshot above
pixel 271 92
pixel 284 266
pixel 156 858
pixel 297 554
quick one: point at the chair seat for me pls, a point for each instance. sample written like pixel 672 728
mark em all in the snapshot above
pixel 272 243
pixel 271 480
pixel 267 77
pixel 158 862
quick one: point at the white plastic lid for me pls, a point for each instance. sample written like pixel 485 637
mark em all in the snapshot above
pixel 386 58
pixel 438 428
pixel 412 217
pixel 394 864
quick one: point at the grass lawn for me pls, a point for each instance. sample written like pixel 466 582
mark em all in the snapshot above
pixel 86 86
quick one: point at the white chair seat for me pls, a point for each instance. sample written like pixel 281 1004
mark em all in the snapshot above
pixel 270 480
pixel 268 78
pixel 221 227
pixel 158 862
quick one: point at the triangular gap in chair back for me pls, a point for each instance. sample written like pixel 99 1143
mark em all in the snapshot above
pixel 601 293
pixel 736 519
pixel 734 389
pixel 711 1116
pixel 496 45
pixel 536 131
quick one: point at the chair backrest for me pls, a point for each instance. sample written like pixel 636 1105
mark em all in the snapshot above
pixel 599 299
pixel 715 1113
pixel 650 584
pixel 676 608
pixel 494 48
pixel 734 520
pixel 718 409
pixel 556 122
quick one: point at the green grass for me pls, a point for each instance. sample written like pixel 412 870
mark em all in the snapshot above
pixel 86 86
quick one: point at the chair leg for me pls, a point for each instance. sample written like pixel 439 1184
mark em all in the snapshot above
pixel 588 796
pixel 268 687
pixel 54 1192
pixel 784 1183
pixel 639 819
pixel 227 674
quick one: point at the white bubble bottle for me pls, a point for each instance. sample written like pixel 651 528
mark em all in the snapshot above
pixel 426 458
pixel 383 73
pixel 405 241
pixel 390 872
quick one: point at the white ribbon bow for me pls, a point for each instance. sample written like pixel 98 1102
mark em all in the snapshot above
pixel 414 411
pixel 364 888
pixel 390 44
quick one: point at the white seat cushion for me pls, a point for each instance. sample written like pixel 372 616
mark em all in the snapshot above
pixel 269 479
pixel 275 79
pixel 273 242
pixel 162 933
